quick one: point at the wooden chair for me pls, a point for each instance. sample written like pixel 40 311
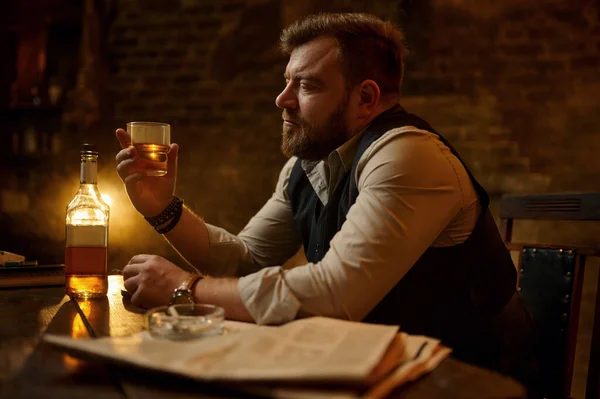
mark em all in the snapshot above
pixel 550 284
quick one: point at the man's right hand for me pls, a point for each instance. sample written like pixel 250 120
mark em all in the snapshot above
pixel 150 195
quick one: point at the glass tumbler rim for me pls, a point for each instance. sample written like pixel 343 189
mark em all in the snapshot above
pixel 147 123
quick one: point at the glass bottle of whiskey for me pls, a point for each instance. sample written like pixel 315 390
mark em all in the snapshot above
pixel 86 246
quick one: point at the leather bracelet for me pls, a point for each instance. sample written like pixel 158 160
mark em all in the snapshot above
pixel 167 214
pixel 173 223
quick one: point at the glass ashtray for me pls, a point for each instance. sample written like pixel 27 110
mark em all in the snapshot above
pixel 183 322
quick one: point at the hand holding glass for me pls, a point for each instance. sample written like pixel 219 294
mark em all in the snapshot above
pixel 151 140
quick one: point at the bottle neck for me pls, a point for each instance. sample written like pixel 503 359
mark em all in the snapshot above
pixel 89 169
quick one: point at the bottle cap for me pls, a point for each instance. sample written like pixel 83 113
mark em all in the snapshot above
pixel 89 149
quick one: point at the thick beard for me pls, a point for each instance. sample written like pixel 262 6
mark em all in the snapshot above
pixel 314 143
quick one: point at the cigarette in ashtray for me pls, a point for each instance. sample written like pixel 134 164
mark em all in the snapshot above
pixel 172 311
pixel 189 323
pixel 175 323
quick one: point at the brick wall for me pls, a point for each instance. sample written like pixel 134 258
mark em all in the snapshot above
pixel 513 85
pixel 523 75
pixel 183 65
pixel 212 70
pixel 539 60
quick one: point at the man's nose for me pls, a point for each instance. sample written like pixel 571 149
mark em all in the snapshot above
pixel 287 99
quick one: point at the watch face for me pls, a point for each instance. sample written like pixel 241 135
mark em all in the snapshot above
pixel 182 297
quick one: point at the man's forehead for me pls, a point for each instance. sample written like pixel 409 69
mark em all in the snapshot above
pixel 318 55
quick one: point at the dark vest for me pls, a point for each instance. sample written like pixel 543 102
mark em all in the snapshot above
pixel 452 293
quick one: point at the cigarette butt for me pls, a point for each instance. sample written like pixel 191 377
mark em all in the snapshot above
pixel 172 311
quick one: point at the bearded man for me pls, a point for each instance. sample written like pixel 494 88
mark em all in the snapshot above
pixel 394 227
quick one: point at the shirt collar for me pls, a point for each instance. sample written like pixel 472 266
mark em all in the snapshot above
pixel 347 151
pixel 344 153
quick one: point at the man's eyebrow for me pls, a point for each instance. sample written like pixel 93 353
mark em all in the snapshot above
pixel 301 76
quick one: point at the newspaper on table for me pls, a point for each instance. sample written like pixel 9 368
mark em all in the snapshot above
pixel 315 350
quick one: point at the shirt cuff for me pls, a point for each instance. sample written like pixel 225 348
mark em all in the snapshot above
pixel 267 297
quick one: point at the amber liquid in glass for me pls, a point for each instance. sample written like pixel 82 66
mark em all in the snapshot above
pixel 156 154
pixel 85 271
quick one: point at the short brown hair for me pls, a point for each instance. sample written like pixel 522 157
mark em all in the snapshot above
pixel 370 48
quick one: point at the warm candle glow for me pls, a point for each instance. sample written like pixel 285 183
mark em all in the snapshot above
pixel 106 198
pixel 81 217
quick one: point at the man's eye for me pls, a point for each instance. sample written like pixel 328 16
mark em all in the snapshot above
pixel 306 87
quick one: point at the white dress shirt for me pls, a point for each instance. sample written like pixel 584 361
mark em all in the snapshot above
pixel 413 194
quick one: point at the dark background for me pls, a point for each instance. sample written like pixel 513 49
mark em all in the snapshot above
pixel 515 85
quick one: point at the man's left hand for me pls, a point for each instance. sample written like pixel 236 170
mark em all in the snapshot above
pixel 151 279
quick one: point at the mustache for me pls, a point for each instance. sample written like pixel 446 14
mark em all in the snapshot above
pixel 285 115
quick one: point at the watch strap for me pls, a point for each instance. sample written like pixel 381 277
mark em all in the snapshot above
pixel 189 281
pixel 185 289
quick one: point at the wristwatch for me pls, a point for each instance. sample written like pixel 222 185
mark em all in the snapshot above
pixel 183 294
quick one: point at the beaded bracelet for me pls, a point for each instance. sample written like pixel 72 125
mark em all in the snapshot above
pixel 173 222
pixel 170 211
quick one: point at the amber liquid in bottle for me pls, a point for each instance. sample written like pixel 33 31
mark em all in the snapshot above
pixel 86 246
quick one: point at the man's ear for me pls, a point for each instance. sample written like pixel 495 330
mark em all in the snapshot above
pixel 369 95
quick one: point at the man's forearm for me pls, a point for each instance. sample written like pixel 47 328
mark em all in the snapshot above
pixel 223 292
pixel 190 239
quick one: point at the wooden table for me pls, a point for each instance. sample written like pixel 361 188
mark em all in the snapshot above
pixel 33 369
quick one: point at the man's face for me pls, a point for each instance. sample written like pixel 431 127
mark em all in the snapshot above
pixel 314 101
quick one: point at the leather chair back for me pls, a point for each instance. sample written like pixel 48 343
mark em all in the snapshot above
pixel 551 284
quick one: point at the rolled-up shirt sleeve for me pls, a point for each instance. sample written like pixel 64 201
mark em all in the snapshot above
pixel 409 192
pixel 270 237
